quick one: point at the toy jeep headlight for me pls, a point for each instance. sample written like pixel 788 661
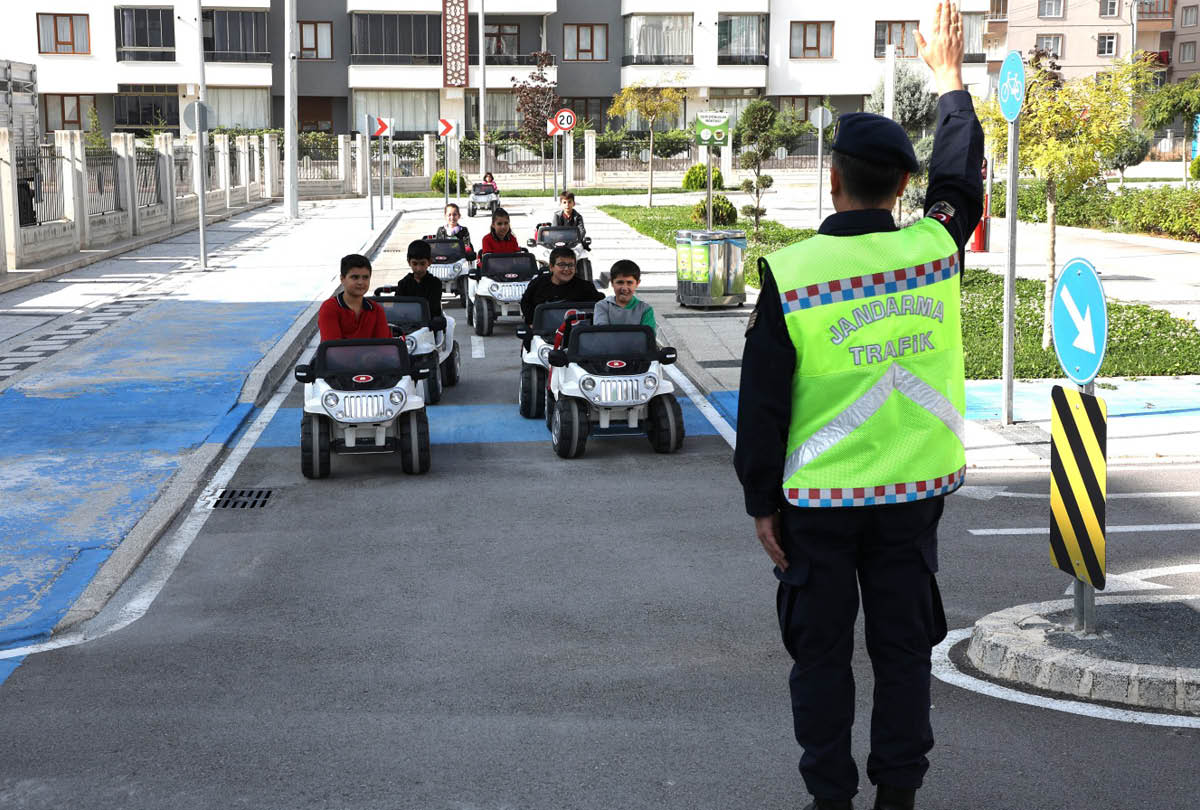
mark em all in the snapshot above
pixel 410 343
pixel 490 287
pixel 588 383
pixel 396 397
pixel 650 381
pixel 330 400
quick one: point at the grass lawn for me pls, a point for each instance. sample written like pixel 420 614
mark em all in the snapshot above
pixel 661 222
pixel 1141 340
pixel 549 192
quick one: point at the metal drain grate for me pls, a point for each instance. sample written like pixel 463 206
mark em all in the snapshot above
pixel 242 499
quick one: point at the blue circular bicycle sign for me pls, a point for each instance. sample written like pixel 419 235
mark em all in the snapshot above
pixel 1011 91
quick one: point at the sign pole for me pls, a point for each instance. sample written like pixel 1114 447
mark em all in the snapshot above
pixel 200 175
pixel 391 158
pixel 457 171
pixel 554 160
pixel 382 177
pixel 821 171
pixel 1085 594
pixel 367 158
pixel 1010 275
pixel 445 171
pixel 709 152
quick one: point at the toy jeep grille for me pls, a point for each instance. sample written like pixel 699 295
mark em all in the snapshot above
pixel 511 292
pixel 364 406
pixel 444 272
pixel 620 389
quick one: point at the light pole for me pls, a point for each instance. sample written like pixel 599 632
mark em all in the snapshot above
pixel 482 97
pixel 199 174
pixel 291 199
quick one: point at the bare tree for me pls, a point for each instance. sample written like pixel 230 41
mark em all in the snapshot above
pixel 537 101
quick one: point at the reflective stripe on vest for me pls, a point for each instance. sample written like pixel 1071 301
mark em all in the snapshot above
pixel 878 395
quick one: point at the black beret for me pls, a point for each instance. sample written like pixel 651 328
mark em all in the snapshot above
pixel 875 139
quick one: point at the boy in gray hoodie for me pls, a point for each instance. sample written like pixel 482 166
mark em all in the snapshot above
pixel 622 307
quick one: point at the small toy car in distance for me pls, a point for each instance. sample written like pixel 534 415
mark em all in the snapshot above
pixel 361 396
pixel 536 345
pixel 449 263
pixel 609 380
pixel 494 290
pixel 550 237
pixel 484 197
pixel 429 340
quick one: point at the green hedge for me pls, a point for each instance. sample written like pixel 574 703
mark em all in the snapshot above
pixel 1164 210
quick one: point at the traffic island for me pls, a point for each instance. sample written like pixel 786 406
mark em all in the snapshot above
pixel 1145 652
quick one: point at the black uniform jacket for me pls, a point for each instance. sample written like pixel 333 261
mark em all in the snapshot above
pixel 955 197
pixel 429 288
pixel 543 289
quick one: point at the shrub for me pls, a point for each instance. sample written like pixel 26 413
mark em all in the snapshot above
pixel 438 181
pixel 609 143
pixel 1133 145
pixel 723 212
pixel 1194 171
pixel 671 143
pixel 696 178
pixel 1173 212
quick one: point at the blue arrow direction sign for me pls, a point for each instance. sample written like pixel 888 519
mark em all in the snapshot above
pixel 1079 321
pixel 1011 90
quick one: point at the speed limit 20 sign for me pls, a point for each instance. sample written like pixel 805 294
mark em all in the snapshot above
pixel 563 121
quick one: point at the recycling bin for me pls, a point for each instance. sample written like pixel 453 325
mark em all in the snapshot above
pixel 709 268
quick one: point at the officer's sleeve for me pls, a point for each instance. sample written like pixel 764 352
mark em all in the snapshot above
pixel 955 193
pixel 764 402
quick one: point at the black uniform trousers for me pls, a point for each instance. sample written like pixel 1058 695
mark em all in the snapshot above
pixel 889 552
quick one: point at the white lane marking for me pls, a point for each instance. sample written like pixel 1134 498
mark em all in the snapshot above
pixel 1147 527
pixel 1139 580
pixel 162 560
pixel 986 493
pixel 704 406
pixel 477 352
pixel 945 670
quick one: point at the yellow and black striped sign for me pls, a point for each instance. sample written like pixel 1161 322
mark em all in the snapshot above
pixel 1078 484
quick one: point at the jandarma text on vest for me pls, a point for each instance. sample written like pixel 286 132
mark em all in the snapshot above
pixel 879 309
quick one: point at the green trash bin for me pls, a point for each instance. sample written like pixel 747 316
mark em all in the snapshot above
pixel 709 268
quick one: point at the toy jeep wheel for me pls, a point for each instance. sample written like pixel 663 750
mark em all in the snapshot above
pixel 531 398
pixel 470 210
pixel 569 428
pixel 451 368
pixel 584 269
pixel 484 320
pixel 314 446
pixel 462 298
pixel 431 387
pixel 665 424
pixel 548 407
pixel 413 430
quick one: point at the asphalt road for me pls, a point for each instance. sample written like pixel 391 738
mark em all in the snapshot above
pixel 518 631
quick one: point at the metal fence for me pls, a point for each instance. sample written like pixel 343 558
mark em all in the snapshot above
pixel 1167 145
pixel 103 192
pixel 316 162
pixel 235 157
pixel 146 170
pixel 212 180
pixel 634 156
pixel 518 159
pixel 183 172
pixel 39 185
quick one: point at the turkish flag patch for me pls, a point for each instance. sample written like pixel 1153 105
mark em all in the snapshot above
pixel 943 212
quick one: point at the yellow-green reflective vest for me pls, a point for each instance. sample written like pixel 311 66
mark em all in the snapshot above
pixel 877 395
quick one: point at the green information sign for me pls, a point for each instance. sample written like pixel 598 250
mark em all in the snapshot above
pixel 683 261
pixel 712 128
pixel 700 263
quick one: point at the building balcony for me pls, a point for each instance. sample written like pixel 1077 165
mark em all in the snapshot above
pixel 538 7
pixel 525 59
pixel 395 59
pixel 657 59
pixel 238 74
pixel 742 59
pixel 1156 15
pixel 237 56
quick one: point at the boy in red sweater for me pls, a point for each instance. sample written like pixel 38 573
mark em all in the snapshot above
pixel 349 314
pixel 500 238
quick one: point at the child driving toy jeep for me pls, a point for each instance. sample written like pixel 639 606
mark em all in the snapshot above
pixel 420 282
pixel 623 307
pixel 348 315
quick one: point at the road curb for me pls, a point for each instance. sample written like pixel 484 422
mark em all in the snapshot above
pixel 198 466
pixel 1010 646
pixel 686 361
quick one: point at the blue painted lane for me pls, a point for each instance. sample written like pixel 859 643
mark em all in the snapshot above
pixel 88 442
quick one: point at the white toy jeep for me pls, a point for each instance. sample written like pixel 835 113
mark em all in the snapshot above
pixel 429 340
pixel 484 197
pixel 449 264
pixel 494 290
pixel 536 345
pixel 361 396
pixel 550 237
pixel 609 380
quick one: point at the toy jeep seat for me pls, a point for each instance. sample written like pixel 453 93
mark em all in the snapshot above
pixel 361 365
pixel 552 236
pixel 405 313
pixel 445 251
pixel 482 188
pixel 612 349
pixel 508 268
pixel 549 316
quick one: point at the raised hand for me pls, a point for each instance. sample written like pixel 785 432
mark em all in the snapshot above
pixel 943 51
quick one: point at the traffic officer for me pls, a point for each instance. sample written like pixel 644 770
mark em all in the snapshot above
pixel 850 433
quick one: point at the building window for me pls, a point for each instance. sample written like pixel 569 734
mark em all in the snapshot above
pixel 658 39
pixel 1050 8
pixel 501 39
pixel 812 40
pixel 413 112
pixel 140 106
pixel 1050 43
pixel 145 34
pixel 973 49
pixel 67 112
pixel 585 43
pixel 1187 51
pixel 1189 16
pixel 741 39
pixel 396 39
pixel 235 36
pixel 316 40
pixel 898 33
pixel 1110 8
pixel 63 33
pixel 591 110
pixel 801 105
pixel 1106 45
pixel 502 115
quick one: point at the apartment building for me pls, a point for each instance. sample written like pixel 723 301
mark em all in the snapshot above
pixel 1084 36
pixel 1184 41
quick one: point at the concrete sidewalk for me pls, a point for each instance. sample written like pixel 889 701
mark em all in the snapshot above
pixel 121 383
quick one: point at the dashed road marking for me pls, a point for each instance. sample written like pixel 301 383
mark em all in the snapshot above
pixel 477 351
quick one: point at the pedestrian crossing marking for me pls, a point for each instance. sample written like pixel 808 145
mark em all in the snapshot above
pixel 1078 484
